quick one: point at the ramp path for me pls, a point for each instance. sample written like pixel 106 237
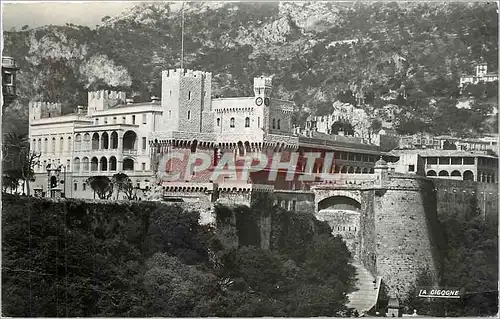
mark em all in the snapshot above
pixel 366 293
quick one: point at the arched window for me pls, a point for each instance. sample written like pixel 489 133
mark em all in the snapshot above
pixel 39 144
pixel 112 163
pixel 279 124
pixel 61 145
pixel 103 164
pixel 247 122
pixel 218 122
pixel 53 145
pixel 128 164
pixel 114 140
pixel 85 164
pixel 69 144
pixel 86 142
pixel 95 141
pixel 94 164
pixel 78 142
pixel 231 123
pixel 76 165
pixel 274 123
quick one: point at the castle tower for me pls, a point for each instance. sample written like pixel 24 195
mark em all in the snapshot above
pixel 39 110
pixel 186 100
pixel 104 99
pixel 262 86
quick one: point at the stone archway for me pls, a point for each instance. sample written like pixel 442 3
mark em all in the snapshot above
pixel 343 215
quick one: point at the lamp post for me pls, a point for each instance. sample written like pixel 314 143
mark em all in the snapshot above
pixel 64 179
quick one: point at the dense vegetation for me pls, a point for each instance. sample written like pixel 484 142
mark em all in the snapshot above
pixel 409 56
pixel 470 264
pixel 138 259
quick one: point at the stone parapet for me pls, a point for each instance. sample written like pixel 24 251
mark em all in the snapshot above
pixel 179 135
pixel 255 137
pixel 289 140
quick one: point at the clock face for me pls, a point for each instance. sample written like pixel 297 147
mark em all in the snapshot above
pixel 267 101
pixel 258 101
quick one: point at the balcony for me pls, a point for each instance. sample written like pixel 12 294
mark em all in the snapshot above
pixel 129 152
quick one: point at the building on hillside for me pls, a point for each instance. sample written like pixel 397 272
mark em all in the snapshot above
pixel 448 164
pixel 323 124
pixel 427 141
pixel 418 141
pixel 9 69
pixel 113 134
pixel 386 138
pixel 239 127
pixel 482 75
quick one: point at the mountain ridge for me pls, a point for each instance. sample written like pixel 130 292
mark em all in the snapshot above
pixel 318 53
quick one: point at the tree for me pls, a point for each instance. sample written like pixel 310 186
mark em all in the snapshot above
pixel 101 185
pixel 129 189
pixel 120 181
pixel 19 161
pixel 376 125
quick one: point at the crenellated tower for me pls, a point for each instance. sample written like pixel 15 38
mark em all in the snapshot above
pixel 186 100
pixel 262 86
pixel 104 99
pixel 39 110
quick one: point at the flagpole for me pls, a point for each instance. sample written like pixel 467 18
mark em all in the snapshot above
pixel 182 37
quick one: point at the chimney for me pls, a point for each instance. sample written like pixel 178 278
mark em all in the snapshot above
pixel 155 99
pixel 129 101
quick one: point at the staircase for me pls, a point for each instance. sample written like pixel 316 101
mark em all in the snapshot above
pixel 366 293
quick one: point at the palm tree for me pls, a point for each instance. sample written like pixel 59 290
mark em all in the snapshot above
pixel 120 180
pixel 101 185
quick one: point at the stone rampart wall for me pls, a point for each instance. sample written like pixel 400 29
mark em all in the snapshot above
pixel 458 196
pixel 404 235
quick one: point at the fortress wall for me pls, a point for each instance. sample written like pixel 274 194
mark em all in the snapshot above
pixel 238 198
pixel 344 223
pixel 457 196
pixel 404 236
pixel 179 165
pixel 367 246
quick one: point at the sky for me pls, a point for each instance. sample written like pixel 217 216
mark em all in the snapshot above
pixel 34 14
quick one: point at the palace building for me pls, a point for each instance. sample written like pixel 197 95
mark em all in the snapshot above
pixel 113 134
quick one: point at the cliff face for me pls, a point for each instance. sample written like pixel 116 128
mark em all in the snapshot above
pixel 317 52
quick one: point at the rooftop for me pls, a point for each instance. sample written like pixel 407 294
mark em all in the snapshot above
pixel 442 153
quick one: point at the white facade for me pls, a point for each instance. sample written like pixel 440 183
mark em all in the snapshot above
pixel 110 137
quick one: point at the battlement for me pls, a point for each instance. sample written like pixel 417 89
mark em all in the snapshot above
pixel 104 99
pixel 106 94
pixel 262 86
pixel 38 110
pixel 176 73
pixel 263 81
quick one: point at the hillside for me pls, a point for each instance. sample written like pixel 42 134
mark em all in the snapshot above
pixel 369 55
pixel 144 259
